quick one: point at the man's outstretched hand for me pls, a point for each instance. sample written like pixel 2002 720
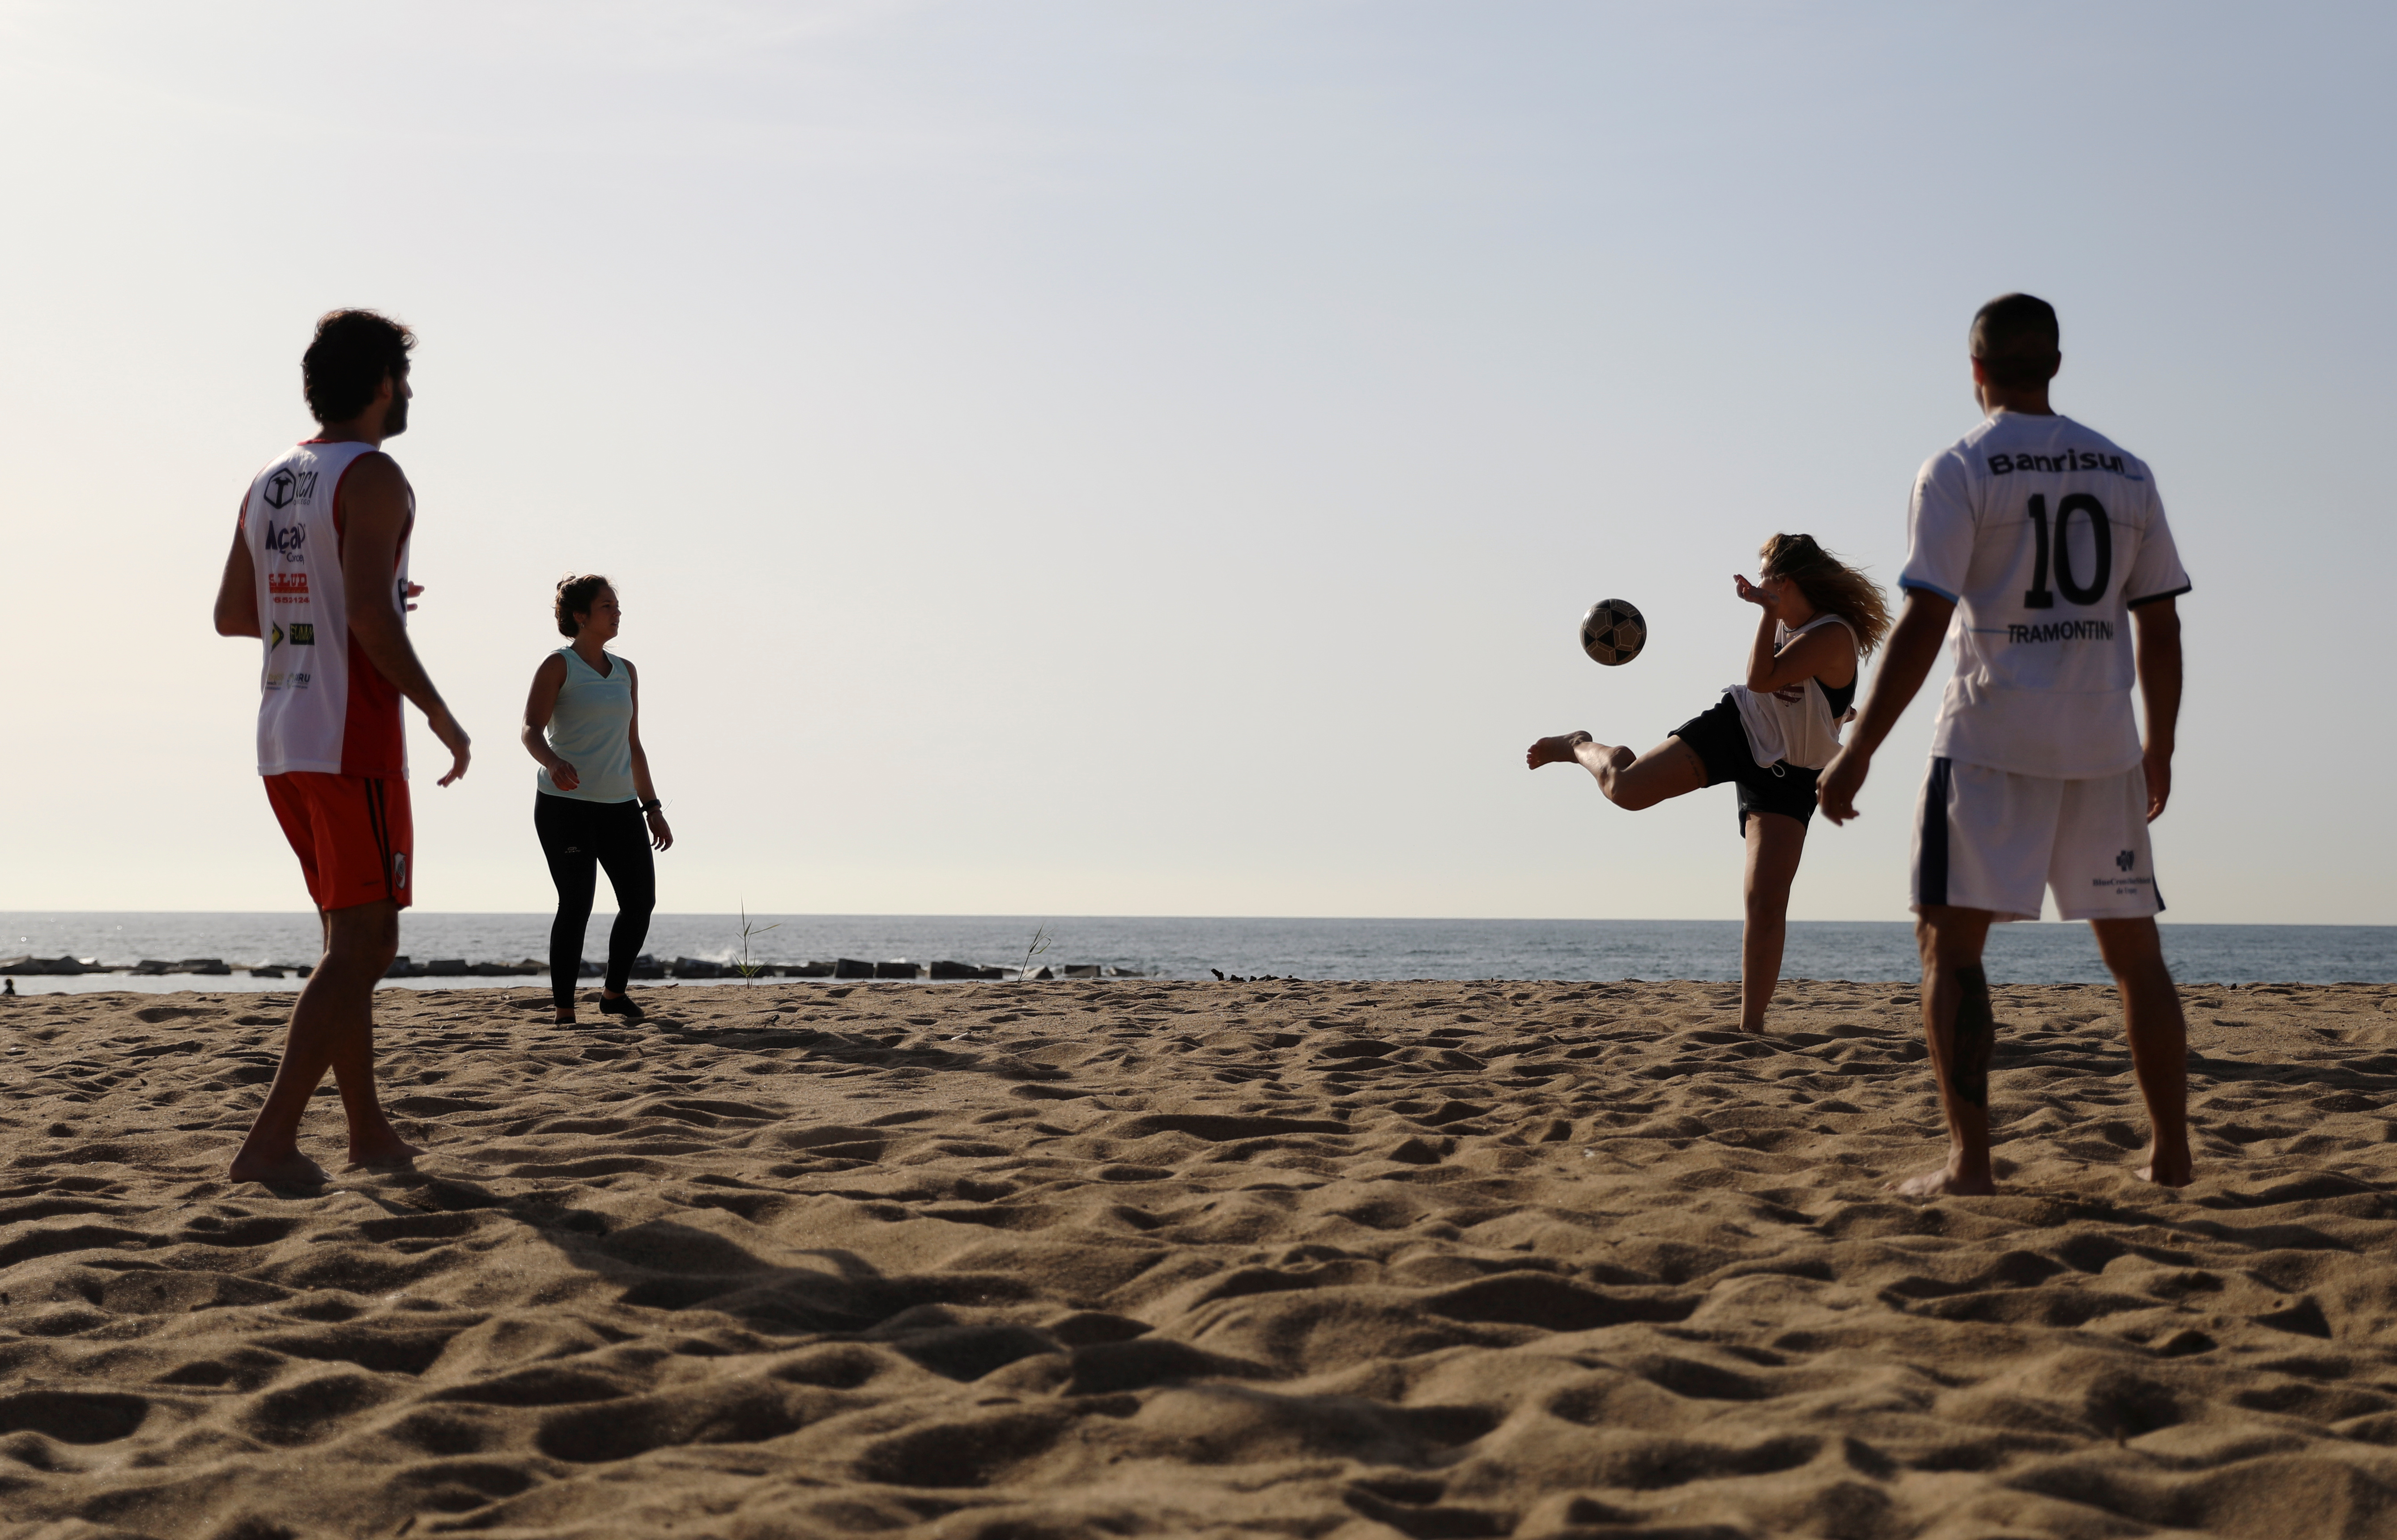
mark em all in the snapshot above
pixel 1843 778
pixel 453 738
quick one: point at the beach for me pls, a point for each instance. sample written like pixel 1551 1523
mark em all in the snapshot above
pixel 1144 1257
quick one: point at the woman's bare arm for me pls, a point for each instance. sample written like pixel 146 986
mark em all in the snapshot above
pixel 1825 654
pixel 539 706
pixel 660 833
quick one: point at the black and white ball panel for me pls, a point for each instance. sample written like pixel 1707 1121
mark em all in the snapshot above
pixel 1613 632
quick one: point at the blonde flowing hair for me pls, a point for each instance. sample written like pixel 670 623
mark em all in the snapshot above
pixel 1830 585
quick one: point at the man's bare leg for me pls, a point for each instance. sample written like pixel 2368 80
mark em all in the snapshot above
pixel 1774 843
pixel 1672 768
pixel 332 1028
pixel 1960 1029
pixel 2159 1039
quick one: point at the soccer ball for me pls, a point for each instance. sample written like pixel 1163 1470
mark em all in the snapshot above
pixel 1613 632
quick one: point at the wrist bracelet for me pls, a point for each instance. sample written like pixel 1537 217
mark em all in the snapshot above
pixel 652 805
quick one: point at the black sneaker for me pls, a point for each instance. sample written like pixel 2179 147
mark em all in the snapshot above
pixel 623 1006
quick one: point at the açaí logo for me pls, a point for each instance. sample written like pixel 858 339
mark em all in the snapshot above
pixel 288 540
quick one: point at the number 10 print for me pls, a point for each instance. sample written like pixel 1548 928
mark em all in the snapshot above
pixel 2040 597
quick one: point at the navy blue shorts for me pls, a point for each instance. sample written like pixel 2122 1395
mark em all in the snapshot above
pixel 1720 740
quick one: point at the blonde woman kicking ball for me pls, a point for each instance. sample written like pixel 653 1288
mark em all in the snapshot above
pixel 597 806
pixel 1769 735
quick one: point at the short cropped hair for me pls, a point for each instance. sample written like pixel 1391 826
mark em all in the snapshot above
pixel 353 351
pixel 2016 340
pixel 575 596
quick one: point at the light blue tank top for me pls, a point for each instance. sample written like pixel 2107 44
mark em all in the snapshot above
pixel 592 729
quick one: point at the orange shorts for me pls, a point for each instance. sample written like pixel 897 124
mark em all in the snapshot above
pixel 353 833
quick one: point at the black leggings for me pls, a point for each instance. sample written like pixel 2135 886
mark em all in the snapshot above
pixel 579 838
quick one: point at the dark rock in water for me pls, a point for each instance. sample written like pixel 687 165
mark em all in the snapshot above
pixel 1044 973
pixel 213 967
pixel 36 967
pixel 806 970
pixel 849 968
pixel 446 968
pixel 153 968
pixel 303 969
pixel 1081 970
pixel 648 966
pixel 956 970
pixel 402 968
pixel 897 971
pixel 1126 973
pixel 266 972
pixel 698 968
pixel 589 970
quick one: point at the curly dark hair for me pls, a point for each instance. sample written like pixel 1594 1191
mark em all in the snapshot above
pixel 1830 585
pixel 576 595
pixel 352 353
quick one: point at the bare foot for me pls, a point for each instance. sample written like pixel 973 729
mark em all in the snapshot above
pixel 293 1169
pixel 2167 1173
pixel 1944 1181
pixel 1556 751
pixel 389 1149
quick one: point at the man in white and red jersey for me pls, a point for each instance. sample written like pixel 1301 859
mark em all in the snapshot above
pixel 2039 547
pixel 319 574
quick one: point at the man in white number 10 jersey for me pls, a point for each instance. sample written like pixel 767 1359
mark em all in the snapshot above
pixel 2039 548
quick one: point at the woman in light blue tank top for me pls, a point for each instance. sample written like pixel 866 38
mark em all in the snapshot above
pixel 595 805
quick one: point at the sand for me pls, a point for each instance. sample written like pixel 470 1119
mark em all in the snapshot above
pixel 1138 1258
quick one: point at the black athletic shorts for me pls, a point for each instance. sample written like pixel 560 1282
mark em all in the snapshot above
pixel 1722 740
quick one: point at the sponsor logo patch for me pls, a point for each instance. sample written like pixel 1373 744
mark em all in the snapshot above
pixel 288 540
pixel 303 633
pixel 287 587
pixel 288 486
pixel 2070 460
pixel 2125 861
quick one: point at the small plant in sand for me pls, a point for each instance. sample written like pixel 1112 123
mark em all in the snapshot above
pixel 1040 945
pixel 749 971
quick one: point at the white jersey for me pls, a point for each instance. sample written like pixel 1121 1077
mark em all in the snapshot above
pixel 1798 725
pixel 2044 534
pixel 323 707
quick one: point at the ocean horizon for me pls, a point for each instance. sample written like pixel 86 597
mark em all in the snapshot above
pixel 1189 948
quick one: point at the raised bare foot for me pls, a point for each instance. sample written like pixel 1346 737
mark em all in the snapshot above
pixel 293 1169
pixel 1944 1181
pixel 1554 751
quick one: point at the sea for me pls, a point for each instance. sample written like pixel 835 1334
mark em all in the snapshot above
pixel 1192 949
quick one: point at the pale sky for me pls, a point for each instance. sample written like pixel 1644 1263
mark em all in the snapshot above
pixel 1105 458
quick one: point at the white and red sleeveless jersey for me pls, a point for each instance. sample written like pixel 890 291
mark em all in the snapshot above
pixel 325 707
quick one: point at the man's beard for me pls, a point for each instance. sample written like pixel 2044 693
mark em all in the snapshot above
pixel 395 420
